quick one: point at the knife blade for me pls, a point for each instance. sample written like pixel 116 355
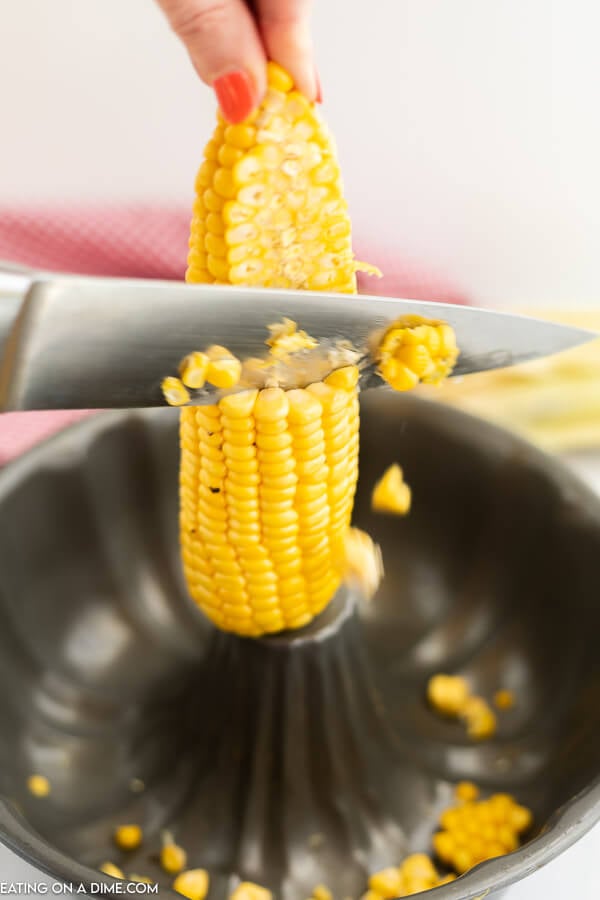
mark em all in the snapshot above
pixel 84 342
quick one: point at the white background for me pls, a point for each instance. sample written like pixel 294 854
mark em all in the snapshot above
pixel 468 129
pixel 469 132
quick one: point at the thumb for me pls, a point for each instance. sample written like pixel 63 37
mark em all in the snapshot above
pixel 225 48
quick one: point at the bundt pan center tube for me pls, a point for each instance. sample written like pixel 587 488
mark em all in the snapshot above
pixel 309 757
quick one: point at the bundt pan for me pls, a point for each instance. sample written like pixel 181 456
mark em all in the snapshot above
pixel 310 757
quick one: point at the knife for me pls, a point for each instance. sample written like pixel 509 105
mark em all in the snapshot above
pixel 72 342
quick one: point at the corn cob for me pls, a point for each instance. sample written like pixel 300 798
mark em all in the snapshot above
pixel 269 209
pixel 268 477
pixel 553 402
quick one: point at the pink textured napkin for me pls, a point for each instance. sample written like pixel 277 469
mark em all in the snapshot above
pixel 140 241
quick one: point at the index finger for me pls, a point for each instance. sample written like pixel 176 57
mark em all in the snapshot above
pixel 285 29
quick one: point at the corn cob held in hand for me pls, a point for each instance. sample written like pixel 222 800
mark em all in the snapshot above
pixel 268 476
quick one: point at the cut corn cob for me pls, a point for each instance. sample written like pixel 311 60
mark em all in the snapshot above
pixel 269 209
pixel 268 476
pixel 553 402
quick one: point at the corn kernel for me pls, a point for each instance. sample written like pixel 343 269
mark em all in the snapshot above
pixel 504 699
pixel 38 785
pixel 467 791
pixel 193 370
pixel 387 882
pixel 391 494
pixel 447 693
pixel 174 391
pixel 110 869
pixel 419 865
pixel 320 892
pixel 193 884
pixel 247 890
pixel 479 717
pixel 128 837
pixel 173 858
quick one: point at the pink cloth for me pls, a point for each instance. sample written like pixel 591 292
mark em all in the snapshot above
pixel 140 241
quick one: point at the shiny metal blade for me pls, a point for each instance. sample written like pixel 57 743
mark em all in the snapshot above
pixel 99 343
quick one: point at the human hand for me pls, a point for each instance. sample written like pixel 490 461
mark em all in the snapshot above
pixel 229 42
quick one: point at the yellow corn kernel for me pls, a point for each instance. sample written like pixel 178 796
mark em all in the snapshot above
pixel 391 494
pixel 278 78
pixel 419 866
pixel 174 391
pixel 345 378
pixel 504 699
pixel 466 791
pixel 446 879
pixel 371 895
pixel 141 879
pixel 386 883
pixel 320 892
pixel 444 846
pixel 480 719
pixel 223 368
pixel 247 890
pixel 463 860
pixel 193 884
pixel 520 818
pixel 447 694
pixel 128 837
pixel 362 562
pixel 110 869
pixel 38 785
pixel 173 858
pixel 193 370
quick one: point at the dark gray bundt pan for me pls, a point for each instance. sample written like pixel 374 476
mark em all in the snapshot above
pixel 304 758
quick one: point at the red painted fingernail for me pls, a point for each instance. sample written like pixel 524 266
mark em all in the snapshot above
pixel 236 95
pixel 319 97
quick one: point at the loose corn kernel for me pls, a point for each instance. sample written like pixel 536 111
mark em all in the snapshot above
pixel 391 494
pixel 174 391
pixel 467 791
pixel 193 370
pixel 128 837
pixel 247 890
pixel 363 563
pixel 419 865
pixel 223 369
pixel 480 719
pixel 140 879
pixel 320 892
pixel 110 869
pixel 447 693
pixel 38 785
pixel 193 884
pixel 173 858
pixel 504 699
pixel 520 818
pixel 285 338
pixel 386 883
